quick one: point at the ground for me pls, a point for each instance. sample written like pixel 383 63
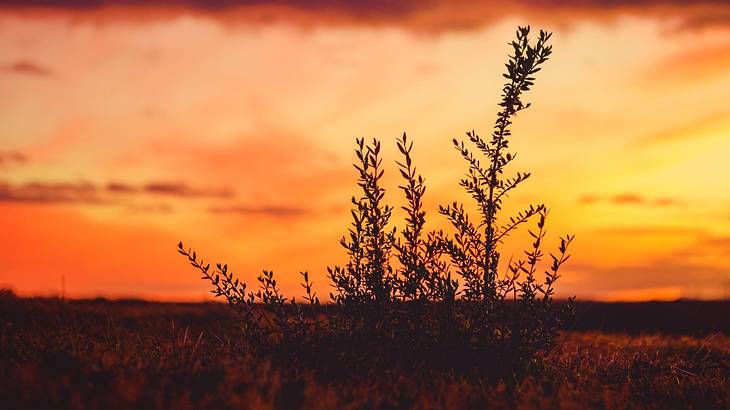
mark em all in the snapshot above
pixel 97 354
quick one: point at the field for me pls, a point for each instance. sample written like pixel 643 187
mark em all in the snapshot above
pixel 98 354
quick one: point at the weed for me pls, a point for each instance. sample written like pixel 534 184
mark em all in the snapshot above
pixel 412 299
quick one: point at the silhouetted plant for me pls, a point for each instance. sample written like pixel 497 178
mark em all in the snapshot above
pixel 398 300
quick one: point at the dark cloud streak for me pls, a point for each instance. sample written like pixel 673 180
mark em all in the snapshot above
pixel 112 193
pixel 705 20
pixel 121 188
pixel 28 68
pixel 423 15
pixel 270 210
pixel 128 195
pixel 182 190
pixel 371 6
pixel 44 192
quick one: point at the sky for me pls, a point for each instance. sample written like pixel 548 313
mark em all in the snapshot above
pixel 127 126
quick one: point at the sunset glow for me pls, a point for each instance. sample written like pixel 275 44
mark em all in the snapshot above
pixel 127 128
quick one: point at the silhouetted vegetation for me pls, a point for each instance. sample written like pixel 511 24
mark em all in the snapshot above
pixel 99 354
pixel 412 300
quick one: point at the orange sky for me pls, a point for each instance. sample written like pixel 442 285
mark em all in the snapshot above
pixel 126 128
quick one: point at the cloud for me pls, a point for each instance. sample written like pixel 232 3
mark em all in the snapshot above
pixel 662 202
pixel 420 15
pixel 697 268
pixel 655 231
pixel 9 158
pixel 28 68
pixel 265 210
pixel 181 189
pixel 170 189
pixel 695 65
pixel 51 192
pixel 703 21
pixel 271 167
pixel 630 199
pixel 121 188
pixel 718 243
pixel 588 199
pixel 658 273
pixel 111 193
pixel 623 199
pixel 161 208
pixel 380 7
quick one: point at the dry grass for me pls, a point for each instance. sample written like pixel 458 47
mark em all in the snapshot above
pixel 89 355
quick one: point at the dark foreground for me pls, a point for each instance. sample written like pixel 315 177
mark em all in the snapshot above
pixel 129 354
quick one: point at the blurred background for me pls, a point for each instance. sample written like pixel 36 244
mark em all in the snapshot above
pixel 127 126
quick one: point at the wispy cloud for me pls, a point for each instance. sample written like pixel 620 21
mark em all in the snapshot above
pixel 627 199
pixel 630 199
pixel 10 158
pixel 51 192
pixel 588 199
pixel 705 20
pixel 263 210
pixel 28 68
pixel 113 192
pixel 695 268
pixel 183 190
pixel 278 168
pixel 121 188
pixel 161 208
pixel 428 15
pixel 718 243
pixel 655 231
pixel 653 274
pixel 696 65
